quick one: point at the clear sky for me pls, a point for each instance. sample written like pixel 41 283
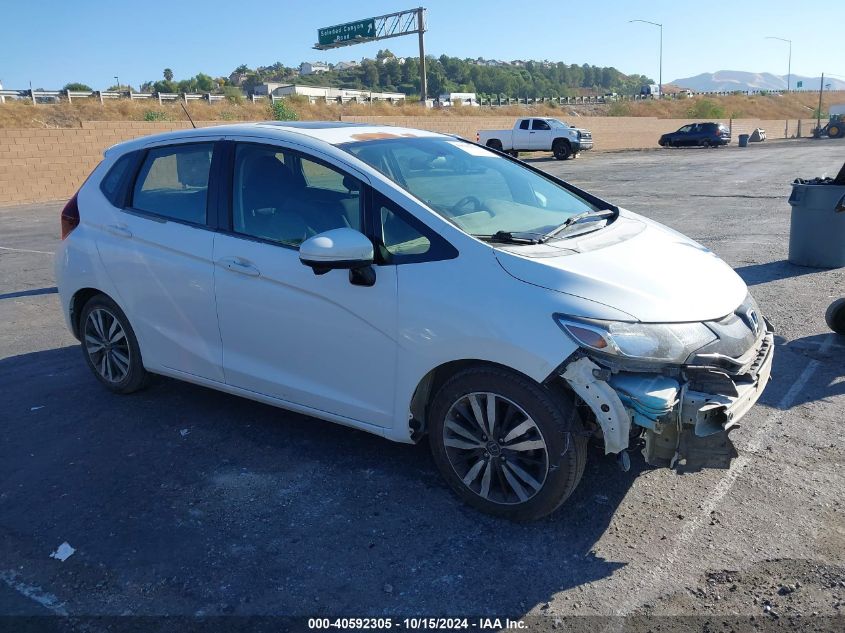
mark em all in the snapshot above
pixel 52 42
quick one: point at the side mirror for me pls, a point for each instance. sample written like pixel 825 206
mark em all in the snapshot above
pixel 339 248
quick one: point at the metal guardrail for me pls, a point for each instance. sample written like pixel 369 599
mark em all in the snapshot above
pixel 54 96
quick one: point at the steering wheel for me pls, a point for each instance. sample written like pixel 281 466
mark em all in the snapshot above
pixel 463 202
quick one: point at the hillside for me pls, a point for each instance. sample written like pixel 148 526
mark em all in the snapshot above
pixel 730 80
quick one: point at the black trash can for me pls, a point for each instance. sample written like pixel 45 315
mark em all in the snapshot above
pixel 817 228
pixel 743 140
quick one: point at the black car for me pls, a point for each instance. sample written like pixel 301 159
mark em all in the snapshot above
pixel 697 135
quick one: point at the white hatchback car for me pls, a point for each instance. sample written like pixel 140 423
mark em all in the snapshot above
pixel 409 283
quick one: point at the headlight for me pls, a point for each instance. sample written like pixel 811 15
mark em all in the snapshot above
pixel 651 342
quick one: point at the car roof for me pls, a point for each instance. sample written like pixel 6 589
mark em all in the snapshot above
pixel 312 133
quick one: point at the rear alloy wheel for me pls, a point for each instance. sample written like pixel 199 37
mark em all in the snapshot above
pixel 706 143
pixel 505 444
pixel 110 347
pixel 562 150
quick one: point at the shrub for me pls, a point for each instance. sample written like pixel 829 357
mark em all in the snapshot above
pixel 706 109
pixel 619 108
pixel 281 111
pixel 233 94
pixel 155 115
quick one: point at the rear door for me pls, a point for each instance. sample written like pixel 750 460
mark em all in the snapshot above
pixel 156 247
pixel 317 341
pixel 522 135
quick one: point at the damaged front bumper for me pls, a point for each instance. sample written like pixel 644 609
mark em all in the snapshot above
pixel 686 415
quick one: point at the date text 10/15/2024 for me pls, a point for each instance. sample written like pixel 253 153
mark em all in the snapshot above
pixel 420 623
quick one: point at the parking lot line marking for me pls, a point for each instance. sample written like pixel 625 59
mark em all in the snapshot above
pixel 36 594
pixel 25 250
pixel 661 580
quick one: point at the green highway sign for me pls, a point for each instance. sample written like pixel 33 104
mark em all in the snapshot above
pixel 800 84
pixel 344 32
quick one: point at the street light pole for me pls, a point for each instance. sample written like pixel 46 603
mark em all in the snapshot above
pixel 789 62
pixel 118 82
pixel 660 77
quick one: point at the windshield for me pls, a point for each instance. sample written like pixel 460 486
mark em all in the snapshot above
pixel 478 190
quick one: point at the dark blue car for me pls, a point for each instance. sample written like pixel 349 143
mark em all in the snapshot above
pixel 697 135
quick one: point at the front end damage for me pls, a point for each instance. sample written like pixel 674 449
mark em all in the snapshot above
pixel 685 413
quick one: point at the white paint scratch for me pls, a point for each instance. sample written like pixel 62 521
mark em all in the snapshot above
pixel 25 250
pixel 36 594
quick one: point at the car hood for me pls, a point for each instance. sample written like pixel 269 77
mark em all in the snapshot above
pixel 635 265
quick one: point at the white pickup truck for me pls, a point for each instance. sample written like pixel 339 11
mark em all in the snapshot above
pixel 538 134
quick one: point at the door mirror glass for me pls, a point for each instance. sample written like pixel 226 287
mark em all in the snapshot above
pixel 338 248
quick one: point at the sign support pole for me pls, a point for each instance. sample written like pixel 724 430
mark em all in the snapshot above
pixel 423 81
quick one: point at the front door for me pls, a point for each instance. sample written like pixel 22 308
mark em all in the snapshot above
pixel 540 132
pixel 318 341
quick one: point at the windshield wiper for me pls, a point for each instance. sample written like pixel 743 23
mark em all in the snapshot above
pixel 506 237
pixel 575 219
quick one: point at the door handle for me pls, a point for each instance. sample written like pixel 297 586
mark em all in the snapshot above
pixel 118 230
pixel 531 132
pixel 239 265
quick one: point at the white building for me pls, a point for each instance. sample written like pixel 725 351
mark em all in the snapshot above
pixel 319 93
pixel 346 65
pixel 313 68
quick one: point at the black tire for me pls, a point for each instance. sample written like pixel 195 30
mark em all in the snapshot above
pixel 706 143
pixel 514 153
pixel 495 144
pixel 561 149
pixel 835 131
pixel 835 316
pixel 556 425
pixel 109 360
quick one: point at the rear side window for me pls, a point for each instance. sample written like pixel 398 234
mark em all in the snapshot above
pixel 112 184
pixel 523 125
pixel 173 182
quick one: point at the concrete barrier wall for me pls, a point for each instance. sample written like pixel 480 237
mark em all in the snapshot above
pixel 39 165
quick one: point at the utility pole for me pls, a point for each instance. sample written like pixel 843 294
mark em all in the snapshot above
pixel 789 62
pixel 421 30
pixel 660 77
pixel 819 113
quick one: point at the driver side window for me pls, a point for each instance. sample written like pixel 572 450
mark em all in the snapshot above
pixel 539 124
pixel 283 197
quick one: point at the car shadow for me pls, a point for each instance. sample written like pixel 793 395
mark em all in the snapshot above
pixel 184 500
pixel 755 274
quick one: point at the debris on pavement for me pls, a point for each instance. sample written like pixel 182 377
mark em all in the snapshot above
pixel 63 552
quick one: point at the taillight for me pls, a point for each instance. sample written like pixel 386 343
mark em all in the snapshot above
pixel 70 216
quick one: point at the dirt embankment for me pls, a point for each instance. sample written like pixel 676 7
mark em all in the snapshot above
pixel 23 114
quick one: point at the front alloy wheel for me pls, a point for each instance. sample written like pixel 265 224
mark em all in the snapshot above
pixel 506 445
pixel 495 448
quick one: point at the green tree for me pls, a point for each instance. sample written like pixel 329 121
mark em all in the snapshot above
pixel 75 85
pixel 204 83
pixel 168 74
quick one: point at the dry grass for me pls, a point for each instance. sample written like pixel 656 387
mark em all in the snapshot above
pixel 23 114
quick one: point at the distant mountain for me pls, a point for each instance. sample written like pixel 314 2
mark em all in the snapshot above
pixel 728 80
